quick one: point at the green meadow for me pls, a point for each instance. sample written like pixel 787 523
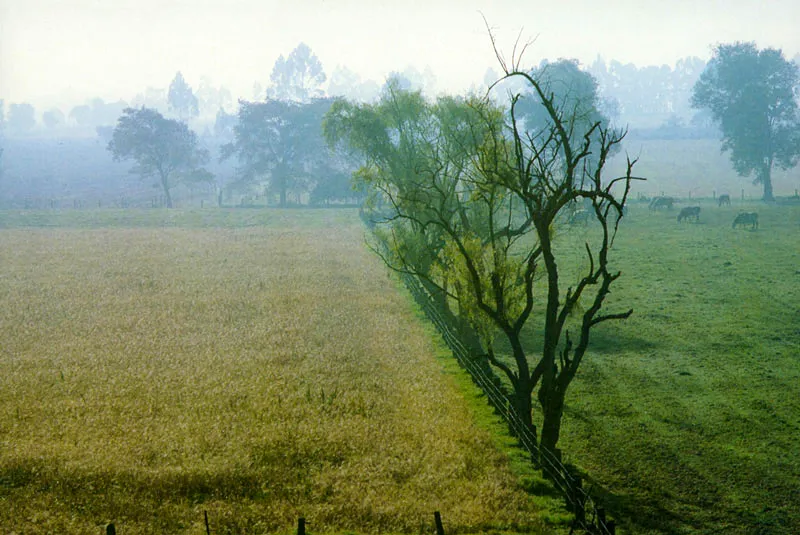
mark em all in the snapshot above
pixel 262 365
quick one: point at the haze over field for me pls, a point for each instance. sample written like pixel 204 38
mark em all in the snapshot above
pixel 63 53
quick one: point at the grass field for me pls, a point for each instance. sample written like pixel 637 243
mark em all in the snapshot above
pixel 694 168
pixel 255 364
pixel 260 365
pixel 689 412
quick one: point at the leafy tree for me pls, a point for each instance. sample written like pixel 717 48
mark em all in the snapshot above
pixel 21 117
pixel 574 92
pixel 181 100
pixel 81 114
pixel 224 123
pixel 53 117
pixel 751 94
pixel 469 202
pixel 280 142
pixel 211 99
pixel 298 77
pixel 162 148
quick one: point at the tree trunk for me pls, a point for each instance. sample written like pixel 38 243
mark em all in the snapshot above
pixel 165 187
pixel 552 411
pixel 767 180
pixel 523 405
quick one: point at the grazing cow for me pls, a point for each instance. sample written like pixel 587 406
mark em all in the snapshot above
pixel 662 202
pixel 689 211
pixel 724 199
pixel 746 218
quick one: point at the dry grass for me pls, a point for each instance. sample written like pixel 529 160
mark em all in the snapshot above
pixel 259 374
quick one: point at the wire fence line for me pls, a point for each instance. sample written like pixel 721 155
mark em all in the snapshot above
pixel 588 514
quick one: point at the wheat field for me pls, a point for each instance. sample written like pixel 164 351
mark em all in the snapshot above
pixel 259 374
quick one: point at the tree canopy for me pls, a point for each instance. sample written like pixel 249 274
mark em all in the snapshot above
pixel 468 200
pixel 162 148
pixel 181 99
pixel 751 94
pixel 298 77
pixel 279 142
pixel 21 117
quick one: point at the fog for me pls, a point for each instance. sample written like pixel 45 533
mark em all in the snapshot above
pixel 63 53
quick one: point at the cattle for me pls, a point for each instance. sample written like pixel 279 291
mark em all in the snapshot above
pixel 689 211
pixel 724 199
pixel 746 218
pixel 661 202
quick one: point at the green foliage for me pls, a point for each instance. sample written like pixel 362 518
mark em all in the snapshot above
pixel 180 98
pixel 162 148
pixel 751 95
pixel 298 77
pixel 279 142
pixel 468 201
pixel 574 93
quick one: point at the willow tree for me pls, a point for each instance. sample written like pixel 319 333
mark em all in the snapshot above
pixel 470 199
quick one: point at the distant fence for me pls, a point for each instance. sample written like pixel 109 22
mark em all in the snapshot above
pixel 111 528
pixel 589 514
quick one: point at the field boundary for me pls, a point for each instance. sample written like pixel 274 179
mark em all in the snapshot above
pixel 589 515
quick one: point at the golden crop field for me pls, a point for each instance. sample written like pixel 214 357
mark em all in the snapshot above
pixel 259 374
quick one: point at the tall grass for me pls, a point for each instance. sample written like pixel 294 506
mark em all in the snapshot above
pixel 260 373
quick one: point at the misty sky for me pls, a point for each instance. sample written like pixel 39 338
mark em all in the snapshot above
pixel 63 52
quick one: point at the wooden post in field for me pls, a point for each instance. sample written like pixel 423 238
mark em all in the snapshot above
pixel 205 518
pixel 714 193
pixel 301 526
pixel 110 529
pixel 742 195
pixel 437 518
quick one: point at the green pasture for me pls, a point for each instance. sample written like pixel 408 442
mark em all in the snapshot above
pixel 685 418
pixel 688 413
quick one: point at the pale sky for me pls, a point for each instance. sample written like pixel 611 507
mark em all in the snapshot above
pixel 64 52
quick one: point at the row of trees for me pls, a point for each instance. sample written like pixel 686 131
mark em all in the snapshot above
pixel 467 194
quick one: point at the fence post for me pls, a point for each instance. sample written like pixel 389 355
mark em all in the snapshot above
pixel 301 526
pixel 110 529
pixel 437 518
pixel 205 518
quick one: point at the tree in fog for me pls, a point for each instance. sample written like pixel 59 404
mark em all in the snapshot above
pixel 164 149
pixel 751 94
pixel 211 99
pixel 21 118
pixel 298 77
pixel 53 117
pixel 467 196
pixel 181 100
pixel 574 93
pixel 279 142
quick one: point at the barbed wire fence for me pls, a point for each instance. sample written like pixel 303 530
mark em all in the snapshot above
pixel 589 515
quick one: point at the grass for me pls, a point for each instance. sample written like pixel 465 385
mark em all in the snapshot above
pixel 688 413
pixel 155 370
pixel 258 365
pixel 694 168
